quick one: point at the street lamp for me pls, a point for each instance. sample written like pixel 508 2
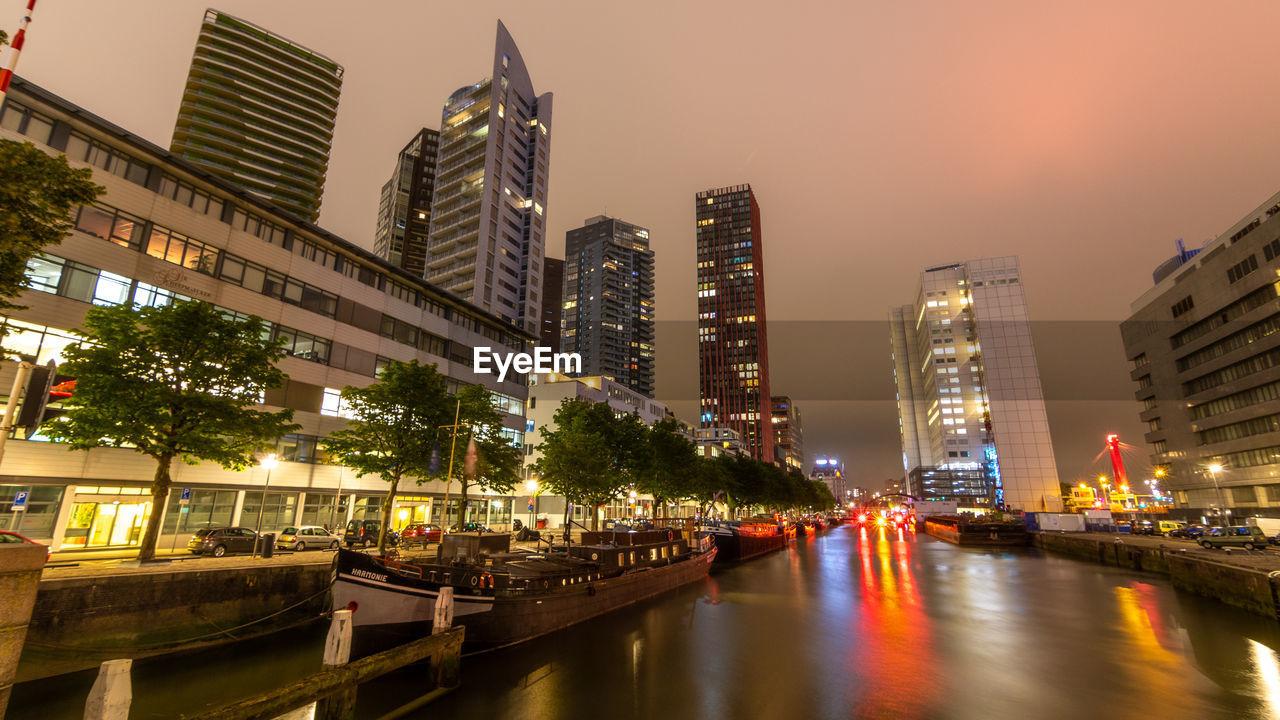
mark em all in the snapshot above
pixel 269 462
pixel 1106 496
pixel 1214 469
pixel 532 486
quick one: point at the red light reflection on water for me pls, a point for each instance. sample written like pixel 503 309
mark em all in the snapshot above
pixel 894 652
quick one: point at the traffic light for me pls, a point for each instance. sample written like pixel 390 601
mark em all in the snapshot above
pixel 44 385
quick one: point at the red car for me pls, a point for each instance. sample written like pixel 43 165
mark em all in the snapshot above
pixel 420 534
pixel 13 537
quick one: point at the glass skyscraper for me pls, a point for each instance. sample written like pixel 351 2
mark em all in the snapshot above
pixel 258 111
pixel 404 209
pixel 489 213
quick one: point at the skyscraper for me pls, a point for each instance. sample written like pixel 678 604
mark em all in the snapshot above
pixel 552 304
pixel 788 433
pixel 404 210
pixel 971 410
pixel 488 220
pixel 608 301
pixel 733 348
pixel 258 110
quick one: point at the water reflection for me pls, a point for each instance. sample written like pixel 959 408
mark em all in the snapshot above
pixel 851 624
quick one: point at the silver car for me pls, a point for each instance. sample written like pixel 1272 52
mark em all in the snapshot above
pixel 306 537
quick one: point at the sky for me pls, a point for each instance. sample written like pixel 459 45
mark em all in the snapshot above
pixel 880 138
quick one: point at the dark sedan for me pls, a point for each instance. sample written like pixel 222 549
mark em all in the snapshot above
pixel 7 536
pixel 220 541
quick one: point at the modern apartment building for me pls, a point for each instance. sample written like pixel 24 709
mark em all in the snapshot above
pixel 552 327
pixel 1205 347
pixel 969 395
pixel 608 301
pixel 788 432
pixel 404 208
pixel 258 111
pixel 733 347
pixel 165 229
pixel 489 214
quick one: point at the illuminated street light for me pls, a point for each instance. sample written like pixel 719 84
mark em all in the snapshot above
pixel 269 462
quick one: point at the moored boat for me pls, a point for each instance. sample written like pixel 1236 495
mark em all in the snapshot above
pixel 503 597
pixel 740 540
pixel 962 531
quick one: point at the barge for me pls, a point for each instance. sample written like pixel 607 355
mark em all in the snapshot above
pixel 962 531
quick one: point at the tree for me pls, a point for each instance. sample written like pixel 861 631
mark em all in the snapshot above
pixel 592 455
pixel 498 463
pixel 179 381
pixel 38 192
pixel 391 428
pixel 669 463
pixel 709 479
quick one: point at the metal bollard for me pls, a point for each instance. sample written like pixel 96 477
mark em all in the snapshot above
pixel 444 611
pixel 112 692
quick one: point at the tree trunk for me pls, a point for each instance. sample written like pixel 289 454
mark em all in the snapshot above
pixel 159 501
pixel 595 516
pixel 386 515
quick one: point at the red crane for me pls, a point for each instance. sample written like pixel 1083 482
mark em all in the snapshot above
pixel 1117 463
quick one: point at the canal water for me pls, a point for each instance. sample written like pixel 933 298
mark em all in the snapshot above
pixel 845 625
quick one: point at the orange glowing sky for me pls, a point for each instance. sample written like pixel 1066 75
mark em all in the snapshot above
pixel 879 137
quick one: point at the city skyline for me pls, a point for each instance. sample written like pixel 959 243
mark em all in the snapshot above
pixel 1057 152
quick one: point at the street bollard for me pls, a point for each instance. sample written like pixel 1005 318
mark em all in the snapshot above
pixel 444 611
pixel 112 692
pixel 337 644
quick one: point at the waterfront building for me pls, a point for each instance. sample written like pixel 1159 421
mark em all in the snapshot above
pixel 830 471
pixel 552 327
pixel 488 219
pixel 608 301
pixel 166 229
pixel 788 434
pixel 258 111
pixel 1205 354
pixel 733 348
pixel 546 393
pixel 969 395
pixel 404 207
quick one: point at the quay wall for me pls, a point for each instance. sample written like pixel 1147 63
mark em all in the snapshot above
pixel 1248 588
pixel 78 622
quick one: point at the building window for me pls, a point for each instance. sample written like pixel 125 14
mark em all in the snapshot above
pixel 1242 268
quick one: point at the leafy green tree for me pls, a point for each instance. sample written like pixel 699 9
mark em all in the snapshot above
pixel 592 455
pixel 179 381
pixel 498 461
pixel 710 477
pixel 38 192
pixel 391 428
pixel 669 463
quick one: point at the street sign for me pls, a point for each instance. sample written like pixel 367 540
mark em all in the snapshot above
pixel 185 498
pixel 19 501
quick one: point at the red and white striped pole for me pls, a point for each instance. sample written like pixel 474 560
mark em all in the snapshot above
pixel 15 49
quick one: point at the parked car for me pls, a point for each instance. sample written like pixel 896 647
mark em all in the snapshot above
pixel 1144 527
pixel 365 533
pixel 1190 531
pixel 1167 527
pixel 312 537
pixel 220 541
pixel 420 534
pixel 474 527
pixel 1246 536
pixel 9 537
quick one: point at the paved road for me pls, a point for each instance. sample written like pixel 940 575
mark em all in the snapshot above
pixel 1267 559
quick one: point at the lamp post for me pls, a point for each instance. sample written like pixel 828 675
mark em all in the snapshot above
pixel 269 462
pixel 1106 496
pixel 1214 469
pixel 532 486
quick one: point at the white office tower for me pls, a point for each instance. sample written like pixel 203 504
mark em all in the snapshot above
pixel 970 406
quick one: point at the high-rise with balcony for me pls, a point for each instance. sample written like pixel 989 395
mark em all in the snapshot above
pixel 971 410
pixel 488 221
pixel 258 110
pixel 404 210
pixel 608 301
pixel 733 348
